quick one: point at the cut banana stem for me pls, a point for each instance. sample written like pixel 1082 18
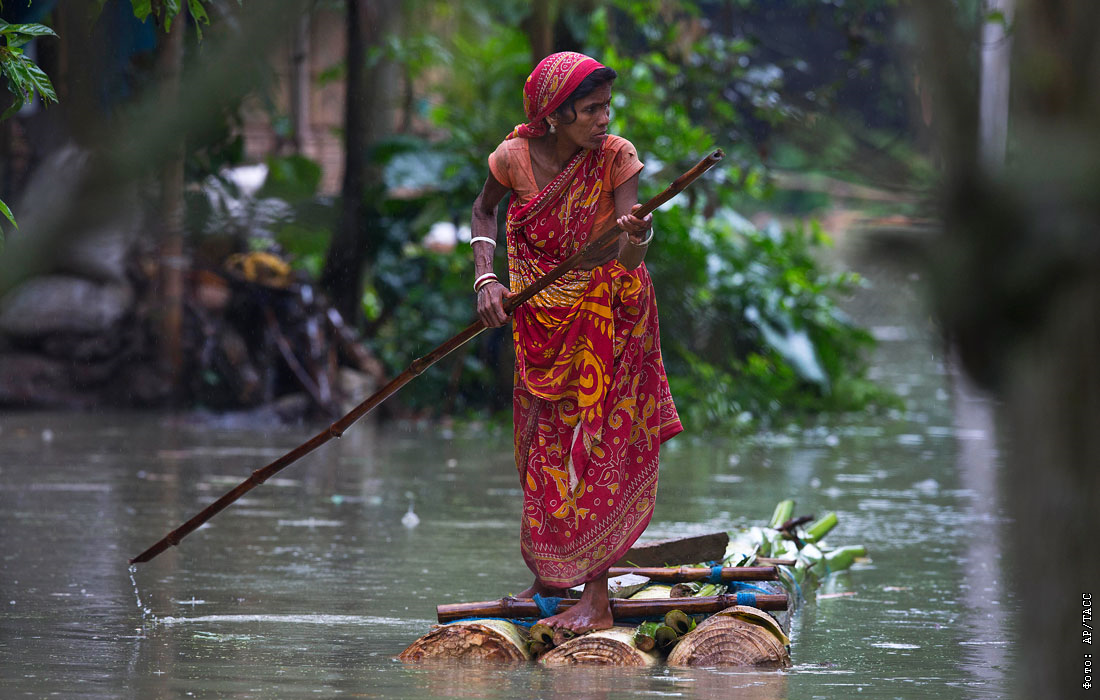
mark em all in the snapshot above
pixel 817 530
pixel 653 590
pixel 537 649
pixel 679 621
pixel 685 590
pixel 840 559
pixel 611 647
pixel 645 636
pixel 483 641
pixel 782 513
pixel 730 641
pixel 665 636
pixel 542 633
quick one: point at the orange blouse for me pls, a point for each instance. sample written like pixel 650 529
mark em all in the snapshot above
pixel 510 164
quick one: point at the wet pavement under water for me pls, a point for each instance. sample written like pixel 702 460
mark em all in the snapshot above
pixel 310 584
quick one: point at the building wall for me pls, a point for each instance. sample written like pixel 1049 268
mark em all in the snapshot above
pixel 324 106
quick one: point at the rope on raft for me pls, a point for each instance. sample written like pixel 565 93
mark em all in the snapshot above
pixel 548 605
pixel 746 599
pixel 715 573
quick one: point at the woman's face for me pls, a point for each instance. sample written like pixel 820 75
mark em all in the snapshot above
pixel 593 115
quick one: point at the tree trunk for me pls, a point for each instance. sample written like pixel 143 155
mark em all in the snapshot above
pixel 541 29
pixel 996 79
pixel 300 83
pixel 80 62
pixel 368 113
pixel 171 255
pixel 1052 402
pixel 1018 287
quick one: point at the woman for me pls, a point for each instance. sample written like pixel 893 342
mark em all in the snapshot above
pixel 591 401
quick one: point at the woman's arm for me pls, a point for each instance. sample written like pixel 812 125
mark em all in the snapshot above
pixel 634 242
pixel 483 223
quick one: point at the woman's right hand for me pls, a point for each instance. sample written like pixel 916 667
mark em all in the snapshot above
pixel 490 304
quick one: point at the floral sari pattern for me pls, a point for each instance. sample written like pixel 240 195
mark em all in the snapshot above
pixel 591 402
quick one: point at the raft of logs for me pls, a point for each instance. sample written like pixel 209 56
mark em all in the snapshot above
pixel 698 631
pixel 686 616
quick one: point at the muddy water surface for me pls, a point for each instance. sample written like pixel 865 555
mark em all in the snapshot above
pixel 311 584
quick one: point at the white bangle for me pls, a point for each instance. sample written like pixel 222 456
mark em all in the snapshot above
pixel 484 239
pixel 484 280
pixel 644 243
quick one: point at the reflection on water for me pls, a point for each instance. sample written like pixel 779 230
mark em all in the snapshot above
pixel 311 584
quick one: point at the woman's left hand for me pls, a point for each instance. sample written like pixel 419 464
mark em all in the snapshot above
pixel 635 227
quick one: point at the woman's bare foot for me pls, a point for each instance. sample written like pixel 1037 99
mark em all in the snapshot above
pixel 542 589
pixel 591 612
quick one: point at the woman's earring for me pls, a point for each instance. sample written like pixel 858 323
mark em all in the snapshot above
pixel 553 128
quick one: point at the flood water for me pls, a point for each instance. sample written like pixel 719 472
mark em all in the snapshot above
pixel 310 584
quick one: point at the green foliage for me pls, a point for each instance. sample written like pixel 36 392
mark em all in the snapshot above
pixel 750 326
pixel 435 301
pixel 293 178
pixel 751 330
pixel 754 331
pixel 23 76
pixel 7 215
pixel 418 297
pixel 166 11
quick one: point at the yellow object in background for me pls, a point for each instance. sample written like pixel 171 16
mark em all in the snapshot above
pixel 260 267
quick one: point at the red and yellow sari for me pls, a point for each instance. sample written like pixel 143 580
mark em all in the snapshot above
pixel 591 400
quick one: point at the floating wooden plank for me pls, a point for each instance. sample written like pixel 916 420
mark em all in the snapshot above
pixel 699 548
pixel 525 607
pixel 683 574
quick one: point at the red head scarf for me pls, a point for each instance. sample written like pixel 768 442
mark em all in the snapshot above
pixel 553 80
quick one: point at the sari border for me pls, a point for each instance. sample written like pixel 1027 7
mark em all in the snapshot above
pixel 628 540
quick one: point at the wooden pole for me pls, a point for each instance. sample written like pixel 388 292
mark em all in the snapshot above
pixel 620 608
pixel 416 369
pixel 683 574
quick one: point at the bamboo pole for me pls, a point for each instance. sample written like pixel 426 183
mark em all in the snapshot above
pixel 683 574
pixel 417 368
pixel 620 608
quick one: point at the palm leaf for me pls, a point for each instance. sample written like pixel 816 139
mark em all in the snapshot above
pixel 7 213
